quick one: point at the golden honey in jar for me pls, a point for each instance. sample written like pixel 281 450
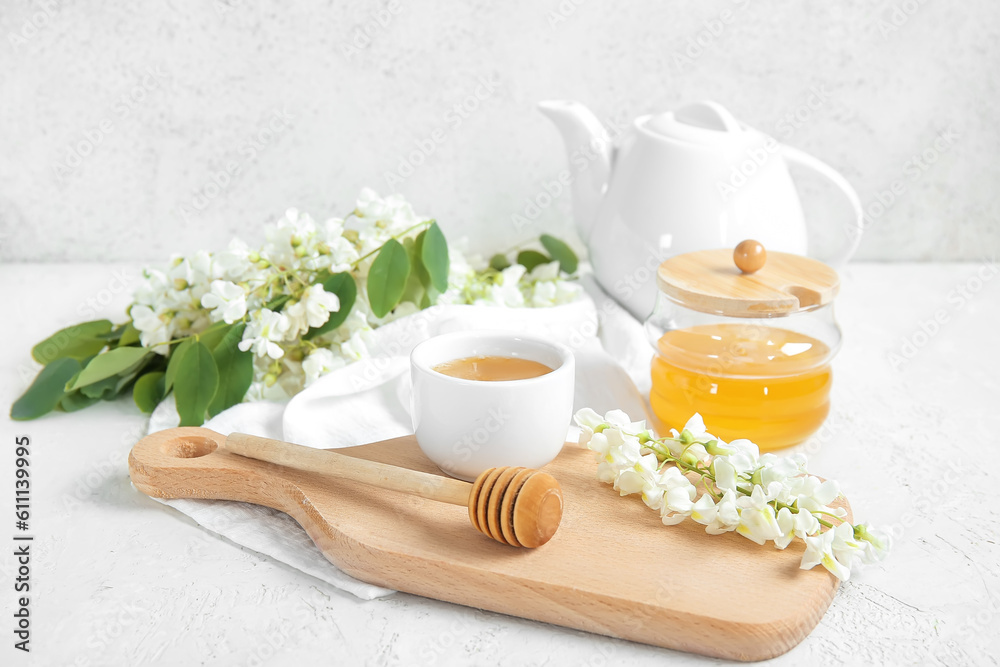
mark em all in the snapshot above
pixel 750 372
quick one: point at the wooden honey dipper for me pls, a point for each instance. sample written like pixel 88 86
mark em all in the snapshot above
pixel 519 507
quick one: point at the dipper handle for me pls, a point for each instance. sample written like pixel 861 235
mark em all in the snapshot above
pixel 382 475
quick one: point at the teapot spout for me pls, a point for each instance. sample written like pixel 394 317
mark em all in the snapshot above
pixel 590 152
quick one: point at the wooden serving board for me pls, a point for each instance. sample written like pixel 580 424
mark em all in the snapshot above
pixel 612 568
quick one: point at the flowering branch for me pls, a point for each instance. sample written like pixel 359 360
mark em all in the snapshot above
pixel 218 328
pixel 761 497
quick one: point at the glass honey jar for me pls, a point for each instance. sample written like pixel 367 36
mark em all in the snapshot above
pixel 744 338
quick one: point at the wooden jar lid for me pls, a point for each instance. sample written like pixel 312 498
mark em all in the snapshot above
pixel 710 282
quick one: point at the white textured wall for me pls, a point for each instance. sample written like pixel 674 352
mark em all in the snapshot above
pixel 220 71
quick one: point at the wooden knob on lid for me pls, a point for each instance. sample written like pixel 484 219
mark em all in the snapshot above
pixel 750 256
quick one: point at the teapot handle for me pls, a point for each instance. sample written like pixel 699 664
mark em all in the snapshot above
pixel 853 233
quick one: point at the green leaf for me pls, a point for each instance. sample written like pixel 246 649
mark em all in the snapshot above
pixel 172 364
pixel 111 363
pixel 428 298
pixel 112 387
pixel 195 383
pixel 76 342
pixel 529 259
pixel 101 389
pixel 387 277
pixel 76 400
pixel 414 248
pixel 130 336
pixel 560 252
pixel 434 255
pixel 235 371
pixel 215 333
pixel 419 280
pixel 46 391
pixel 113 335
pixel 499 262
pixel 343 285
pixel 149 391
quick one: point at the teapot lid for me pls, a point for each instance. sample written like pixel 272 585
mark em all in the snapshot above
pixel 748 282
pixel 700 122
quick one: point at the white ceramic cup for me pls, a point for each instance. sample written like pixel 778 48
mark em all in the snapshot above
pixel 468 426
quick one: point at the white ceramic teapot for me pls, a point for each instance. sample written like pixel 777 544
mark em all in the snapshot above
pixel 681 181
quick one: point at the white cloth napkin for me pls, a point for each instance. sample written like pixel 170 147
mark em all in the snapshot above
pixel 369 401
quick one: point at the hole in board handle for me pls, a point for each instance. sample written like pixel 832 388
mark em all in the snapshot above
pixel 191 447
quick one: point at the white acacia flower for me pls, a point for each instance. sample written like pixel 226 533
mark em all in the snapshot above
pixel 620 420
pixel 320 362
pixel 370 205
pixel 812 494
pixel 737 470
pixel 548 271
pixel 151 288
pixel 284 238
pixel 226 300
pixel 642 478
pixel 335 254
pixel 185 273
pixel 615 452
pixel 757 519
pixel 745 458
pixel 717 518
pixel 506 291
pixel 358 345
pixel 819 551
pixel 846 547
pixel 795 524
pixel 265 330
pixel 588 420
pixel 234 262
pixel 201 268
pixel 725 473
pixel 154 327
pixel 876 542
pixel 543 295
pixel 696 426
pixel 679 493
pixel 312 310
pixel 567 292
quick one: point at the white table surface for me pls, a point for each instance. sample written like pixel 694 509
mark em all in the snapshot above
pixel 120 579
